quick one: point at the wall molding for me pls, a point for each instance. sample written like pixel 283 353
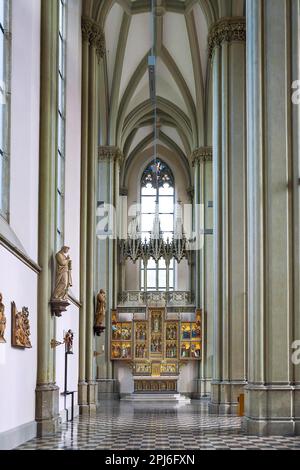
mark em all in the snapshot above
pixel 17 436
pixel 20 254
pixel 74 300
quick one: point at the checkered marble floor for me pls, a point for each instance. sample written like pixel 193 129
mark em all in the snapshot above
pixel 159 426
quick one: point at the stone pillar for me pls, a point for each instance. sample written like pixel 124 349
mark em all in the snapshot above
pixel 110 159
pixel 273 391
pixel 227 50
pixel 201 159
pixel 47 392
pixel 82 384
pixel 93 52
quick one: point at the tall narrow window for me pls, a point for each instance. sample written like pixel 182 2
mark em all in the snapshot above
pixel 4 106
pixel 157 190
pixel 61 118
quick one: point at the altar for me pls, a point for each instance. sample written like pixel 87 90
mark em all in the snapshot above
pixel 156 347
pixel 155 385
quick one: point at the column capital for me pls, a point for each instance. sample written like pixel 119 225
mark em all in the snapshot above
pixel 123 191
pixel 110 153
pixel 201 155
pixel 94 35
pixel 226 30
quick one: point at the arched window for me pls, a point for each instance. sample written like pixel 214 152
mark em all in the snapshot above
pixel 5 66
pixel 61 126
pixel 157 196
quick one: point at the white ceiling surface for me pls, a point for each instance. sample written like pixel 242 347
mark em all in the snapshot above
pixel 202 31
pixel 142 93
pixel 177 42
pixel 112 31
pixel 142 132
pixel 139 42
pixel 173 134
pixel 167 88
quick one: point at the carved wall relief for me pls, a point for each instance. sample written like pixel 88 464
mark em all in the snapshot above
pixel 20 334
pixel 2 320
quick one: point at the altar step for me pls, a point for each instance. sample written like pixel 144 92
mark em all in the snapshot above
pixel 157 397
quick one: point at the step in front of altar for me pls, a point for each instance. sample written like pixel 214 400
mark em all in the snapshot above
pixel 143 397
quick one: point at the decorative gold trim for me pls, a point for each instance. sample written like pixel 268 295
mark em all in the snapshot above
pixel 202 155
pixel 94 35
pixel 226 30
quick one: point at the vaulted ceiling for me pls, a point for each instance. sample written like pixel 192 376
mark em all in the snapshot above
pixel 182 71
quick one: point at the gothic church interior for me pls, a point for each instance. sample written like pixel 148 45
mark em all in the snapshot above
pixel 149 223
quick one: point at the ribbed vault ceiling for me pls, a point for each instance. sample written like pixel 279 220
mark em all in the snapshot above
pixel 182 71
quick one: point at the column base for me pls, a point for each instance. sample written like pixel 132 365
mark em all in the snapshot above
pixel 82 398
pixel 202 389
pixel 108 389
pixel 92 389
pixel 224 397
pixel 272 410
pixel 47 409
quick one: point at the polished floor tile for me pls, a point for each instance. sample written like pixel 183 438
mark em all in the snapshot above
pixel 120 426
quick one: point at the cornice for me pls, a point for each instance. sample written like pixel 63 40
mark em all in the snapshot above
pixel 94 35
pixel 201 155
pixel 18 253
pixel 110 153
pixel 226 30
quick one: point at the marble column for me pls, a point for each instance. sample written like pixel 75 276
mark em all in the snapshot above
pixel 273 391
pixel 47 392
pixel 93 53
pixel 82 384
pixel 202 162
pixel 110 158
pixel 227 49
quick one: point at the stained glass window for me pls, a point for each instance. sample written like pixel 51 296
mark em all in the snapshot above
pixel 157 194
pixel 61 126
pixel 5 45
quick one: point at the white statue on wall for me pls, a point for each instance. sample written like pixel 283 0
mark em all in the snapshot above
pixel 63 276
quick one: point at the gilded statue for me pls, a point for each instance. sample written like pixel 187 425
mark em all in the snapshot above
pixel 68 340
pixel 20 327
pixel 63 278
pixel 2 320
pixel 101 306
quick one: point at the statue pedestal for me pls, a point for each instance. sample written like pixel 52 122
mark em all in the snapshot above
pixel 98 330
pixel 59 306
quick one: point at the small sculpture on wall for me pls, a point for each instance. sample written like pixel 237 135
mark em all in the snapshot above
pixel 100 313
pixel 68 340
pixel 63 281
pixel 2 320
pixel 20 328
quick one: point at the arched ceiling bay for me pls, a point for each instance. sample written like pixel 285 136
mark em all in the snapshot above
pixel 182 70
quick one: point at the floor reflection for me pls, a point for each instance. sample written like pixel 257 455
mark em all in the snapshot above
pixel 152 426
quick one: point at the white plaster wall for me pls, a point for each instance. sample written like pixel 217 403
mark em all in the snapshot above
pixel 73 137
pixel 17 367
pixel 124 375
pixel 70 319
pixel 17 282
pixel 25 101
pixel 188 374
